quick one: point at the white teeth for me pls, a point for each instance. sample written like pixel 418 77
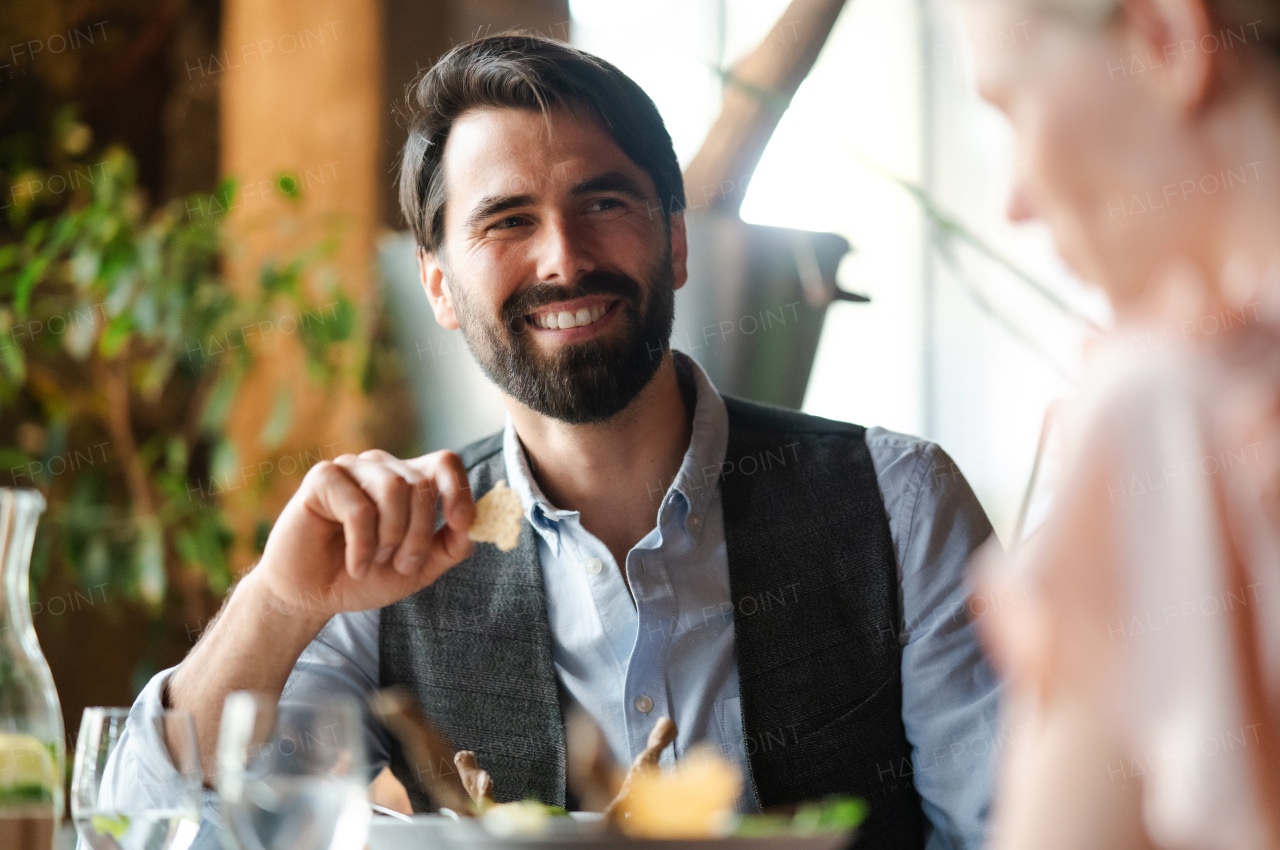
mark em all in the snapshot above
pixel 564 319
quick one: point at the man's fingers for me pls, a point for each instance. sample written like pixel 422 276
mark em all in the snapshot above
pixel 454 543
pixel 450 477
pixel 391 494
pixel 335 495
pixel 415 548
pixel 387 507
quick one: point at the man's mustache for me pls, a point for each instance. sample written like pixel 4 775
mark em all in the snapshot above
pixel 532 298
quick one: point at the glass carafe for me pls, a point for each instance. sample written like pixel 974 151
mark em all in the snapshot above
pixel 32 749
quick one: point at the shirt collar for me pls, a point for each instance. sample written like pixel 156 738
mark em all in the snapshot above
pixel 699 475
pixel 537 510
pixel 694 485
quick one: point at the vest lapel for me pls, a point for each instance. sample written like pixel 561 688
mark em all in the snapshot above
pixel 813 579
pixel 476 648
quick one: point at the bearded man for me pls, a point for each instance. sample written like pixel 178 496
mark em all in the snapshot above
pixel 787 589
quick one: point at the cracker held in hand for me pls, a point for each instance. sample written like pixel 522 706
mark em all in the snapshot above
pixel 498 516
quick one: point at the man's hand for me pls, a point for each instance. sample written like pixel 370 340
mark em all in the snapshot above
pixel 360 532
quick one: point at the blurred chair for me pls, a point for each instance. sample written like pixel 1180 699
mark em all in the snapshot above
pixel 753 308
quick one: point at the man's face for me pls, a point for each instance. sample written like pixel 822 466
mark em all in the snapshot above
pixel 557 262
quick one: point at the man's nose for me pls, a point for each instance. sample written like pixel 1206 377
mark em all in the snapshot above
pixel 1017 207
pixel 563 253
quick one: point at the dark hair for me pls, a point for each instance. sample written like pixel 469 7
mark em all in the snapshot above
pixel 524 71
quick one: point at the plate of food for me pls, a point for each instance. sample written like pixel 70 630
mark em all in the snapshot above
pixel 691 805
pixel 582 831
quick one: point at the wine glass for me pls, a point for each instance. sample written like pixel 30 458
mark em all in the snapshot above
pixel 118 801
pixel 293 776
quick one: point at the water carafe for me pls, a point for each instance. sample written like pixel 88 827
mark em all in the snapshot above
pixel 32 748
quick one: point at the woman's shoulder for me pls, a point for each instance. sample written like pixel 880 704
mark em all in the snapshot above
pixel 1178 425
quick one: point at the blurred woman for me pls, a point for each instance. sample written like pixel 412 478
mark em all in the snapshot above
pixel 1140 625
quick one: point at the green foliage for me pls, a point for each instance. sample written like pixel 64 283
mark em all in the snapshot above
pixel 122 348
pixel 840 813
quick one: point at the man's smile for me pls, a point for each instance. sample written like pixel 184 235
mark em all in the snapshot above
pixel 576 319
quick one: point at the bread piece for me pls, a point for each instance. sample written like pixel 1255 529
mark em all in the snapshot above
pixel 696 800
pixel 498 515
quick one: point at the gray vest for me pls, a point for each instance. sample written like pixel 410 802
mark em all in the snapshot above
pixel 814 584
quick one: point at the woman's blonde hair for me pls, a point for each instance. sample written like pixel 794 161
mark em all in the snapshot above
pixel 1258 19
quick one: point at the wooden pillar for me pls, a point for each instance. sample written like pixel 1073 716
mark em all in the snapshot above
pixel 301 93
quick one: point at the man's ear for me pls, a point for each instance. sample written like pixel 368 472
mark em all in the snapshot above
pixel 1175 33
pixel 679 250
pixel 437 288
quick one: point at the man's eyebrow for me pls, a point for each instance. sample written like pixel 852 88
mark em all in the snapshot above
pixel 494 205
pixel 614 181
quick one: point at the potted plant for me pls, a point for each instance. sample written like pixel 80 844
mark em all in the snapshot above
pixel 121 350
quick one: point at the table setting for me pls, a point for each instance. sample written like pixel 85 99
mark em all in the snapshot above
pixel 295 776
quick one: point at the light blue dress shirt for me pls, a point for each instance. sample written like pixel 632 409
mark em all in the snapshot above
pixel 666 647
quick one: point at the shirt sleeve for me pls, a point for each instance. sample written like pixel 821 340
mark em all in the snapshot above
pixel 140 766
pixel 949 691
pixel 343 659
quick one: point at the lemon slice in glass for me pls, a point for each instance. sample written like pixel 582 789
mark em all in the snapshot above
pixel 28 771
pixel 114 825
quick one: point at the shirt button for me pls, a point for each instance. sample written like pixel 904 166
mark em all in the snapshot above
pixel 644 705
pixel 593 566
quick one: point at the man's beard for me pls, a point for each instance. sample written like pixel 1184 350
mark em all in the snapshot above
pixel 581 382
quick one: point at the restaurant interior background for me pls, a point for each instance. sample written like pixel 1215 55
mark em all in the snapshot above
pixel 174 358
